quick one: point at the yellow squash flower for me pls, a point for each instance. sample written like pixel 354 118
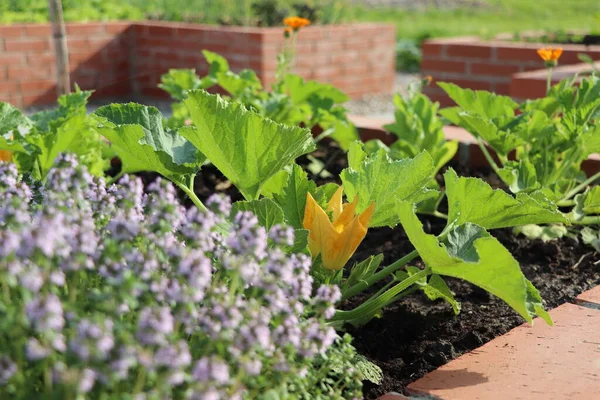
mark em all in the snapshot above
pixel 550 55
pixel 296 22
pixel 335 240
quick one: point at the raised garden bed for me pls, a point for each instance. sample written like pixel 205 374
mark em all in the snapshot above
pixel 126 59
pixel 488 65
pixel 246 153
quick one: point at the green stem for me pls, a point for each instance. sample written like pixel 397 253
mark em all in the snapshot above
pixel 362 285
pixel 115 178
pixel 488 156
pixel 192 196
pixel 581 186
pixel 566 203
pixel 591 220
pixel 549 80
pixel 376 303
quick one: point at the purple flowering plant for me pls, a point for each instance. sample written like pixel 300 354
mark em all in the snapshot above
pixel 120 292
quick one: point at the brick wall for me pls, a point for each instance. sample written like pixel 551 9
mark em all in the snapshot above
pixel 487 65
pixel 99 58
pixel 358 59
pixel 125 60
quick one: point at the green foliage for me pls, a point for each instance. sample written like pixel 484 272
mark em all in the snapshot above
pixel 292 102
pixel 247 148
pixel 550 138
pixel 418 127
pixel 473 255
pixel 37 140
pixel 383 181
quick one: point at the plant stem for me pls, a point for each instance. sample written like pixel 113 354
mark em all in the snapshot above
pixel 566 203
pixel 362 285
pixel 376 303
pixel 192 196
pixel 549 80
pixel 581 186
pixel 488 156
pixel 115 178
pixel 590 220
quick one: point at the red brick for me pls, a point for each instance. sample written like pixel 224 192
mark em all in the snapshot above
pixel 77 43
pixel 20 73
pixel 161 31
pixel 433 49
pixel 525 88
pixel 11 59
pixel 591 297
pixel 502 88
pixel 8 87
pixel 117 27
pixel 530 362
pixel 85 29
pixel 469 50
pixel 37 86
pixel 494 69
pixel 443 66
pixel 471 84
pixel 38 30
pixel 34 45
pixel 518 54
pixel 10 31
pixel 39 99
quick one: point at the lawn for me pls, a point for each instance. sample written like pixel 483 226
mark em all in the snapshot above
pixel 485 18
pixel 488 18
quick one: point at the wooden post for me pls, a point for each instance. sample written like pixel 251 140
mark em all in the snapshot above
pixel 60 45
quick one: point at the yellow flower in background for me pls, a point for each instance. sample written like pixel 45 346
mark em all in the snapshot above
pixel 296 22
pixel 550 55
pixel 336 240
pixel 5 155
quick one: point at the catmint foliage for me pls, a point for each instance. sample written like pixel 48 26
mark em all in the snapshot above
pixel 121 292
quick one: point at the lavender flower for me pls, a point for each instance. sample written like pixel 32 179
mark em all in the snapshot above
pixel 7 370
pixel 112 287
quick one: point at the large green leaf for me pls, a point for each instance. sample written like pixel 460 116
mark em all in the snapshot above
pixel 587 203
pixel 488 264
pixel 247 148
pixel 300 90
pixel 293 198
pixel 266 210
pixel 11 120
pixel 178 81
pixel 137 134
pixel 383 181
pixel 51 144
pixel 480 102
pixel 473 200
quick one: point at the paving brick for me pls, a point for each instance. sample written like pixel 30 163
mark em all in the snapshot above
pixel 591 298
pixel 530 362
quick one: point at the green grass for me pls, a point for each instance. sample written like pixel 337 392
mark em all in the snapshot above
pixel 492 17
pixel 489 19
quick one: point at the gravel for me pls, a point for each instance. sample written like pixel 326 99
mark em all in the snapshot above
pixel 381 106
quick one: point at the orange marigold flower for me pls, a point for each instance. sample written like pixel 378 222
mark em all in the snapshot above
pixel 296 22
pixel 550 55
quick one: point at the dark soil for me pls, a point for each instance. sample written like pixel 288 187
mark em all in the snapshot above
pixel 415 335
